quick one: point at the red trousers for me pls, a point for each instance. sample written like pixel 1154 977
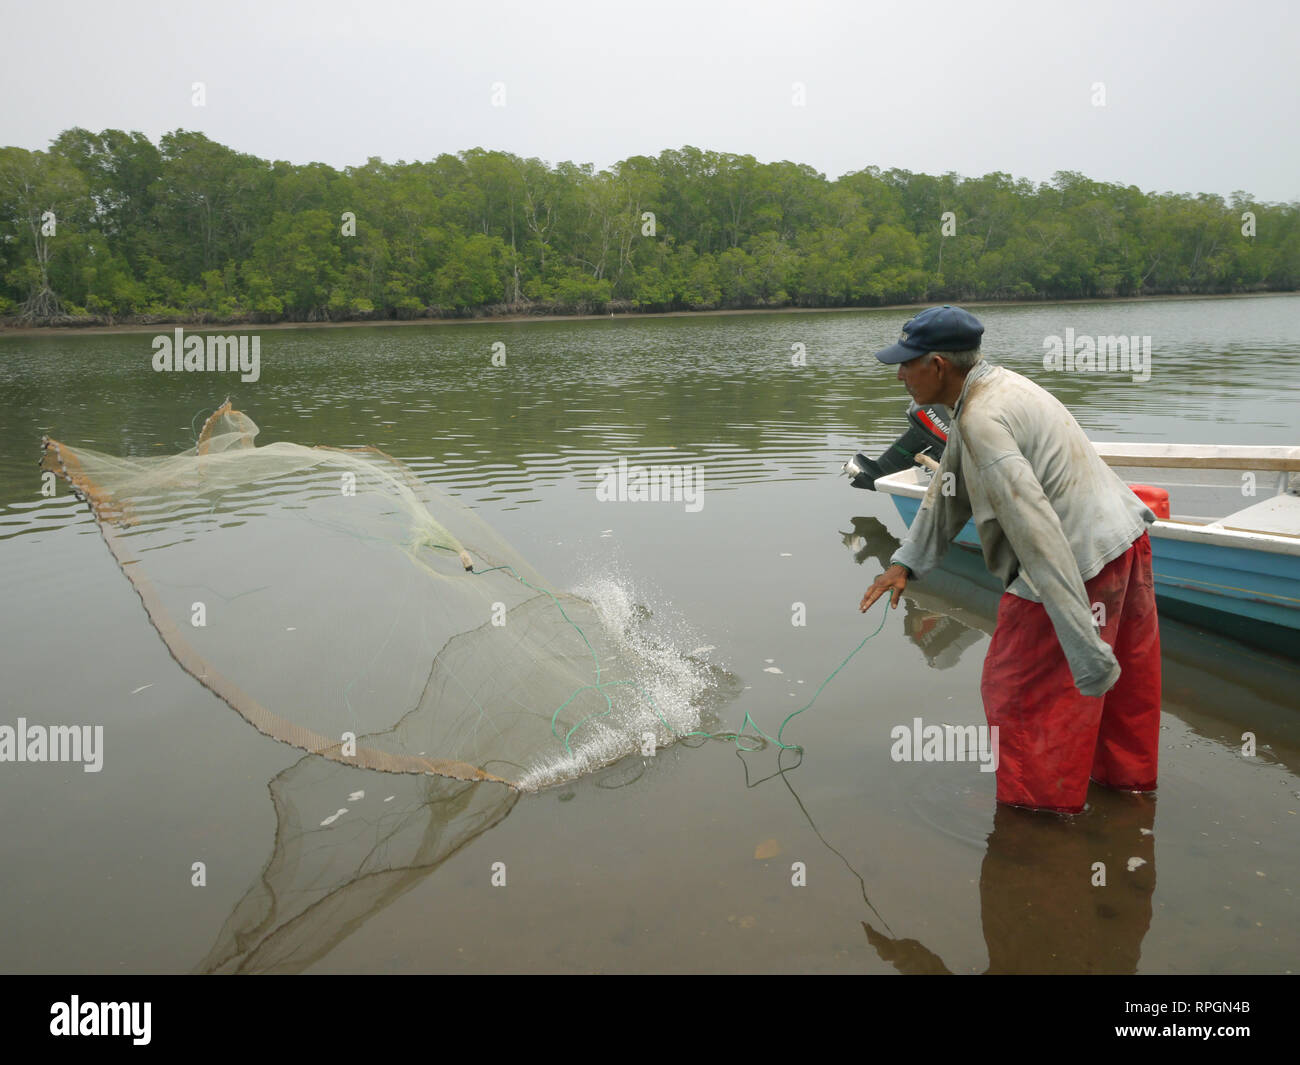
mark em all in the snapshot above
pixel 1051 739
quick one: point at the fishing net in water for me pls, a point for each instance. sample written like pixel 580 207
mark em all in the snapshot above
pixel 347 844
pixel 345 607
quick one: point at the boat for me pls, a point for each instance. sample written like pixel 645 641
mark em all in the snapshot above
pixel 1217 564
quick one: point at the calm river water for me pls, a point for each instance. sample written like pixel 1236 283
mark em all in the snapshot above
pixel 683 861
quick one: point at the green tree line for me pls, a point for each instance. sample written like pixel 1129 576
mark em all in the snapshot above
pixel 111 227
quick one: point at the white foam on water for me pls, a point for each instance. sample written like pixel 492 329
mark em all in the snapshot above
pixel 672 679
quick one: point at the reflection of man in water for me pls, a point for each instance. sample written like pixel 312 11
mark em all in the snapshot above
pixel 1043 903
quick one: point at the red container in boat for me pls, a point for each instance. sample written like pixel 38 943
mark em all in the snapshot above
pixel 1155 498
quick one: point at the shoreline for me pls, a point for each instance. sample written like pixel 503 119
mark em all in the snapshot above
pixel 512 319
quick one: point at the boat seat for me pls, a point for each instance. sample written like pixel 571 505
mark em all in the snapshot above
pixel 1278 516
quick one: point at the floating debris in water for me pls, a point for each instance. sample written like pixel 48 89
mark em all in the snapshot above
pixel 333 817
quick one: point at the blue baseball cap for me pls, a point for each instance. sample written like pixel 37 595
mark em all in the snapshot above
pixel 945 328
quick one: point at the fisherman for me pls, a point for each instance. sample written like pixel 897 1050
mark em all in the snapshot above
pixel 1072 675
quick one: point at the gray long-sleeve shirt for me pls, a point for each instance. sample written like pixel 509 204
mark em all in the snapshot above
pixel 1049 512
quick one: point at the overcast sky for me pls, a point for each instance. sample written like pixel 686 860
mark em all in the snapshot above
pixel 1198 97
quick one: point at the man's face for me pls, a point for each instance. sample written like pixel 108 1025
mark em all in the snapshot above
pixel 922 378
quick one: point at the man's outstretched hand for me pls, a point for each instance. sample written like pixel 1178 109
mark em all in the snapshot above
pixel 893 580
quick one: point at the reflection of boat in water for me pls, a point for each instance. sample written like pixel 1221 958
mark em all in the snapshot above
pixel 1230 568
pixel 942 625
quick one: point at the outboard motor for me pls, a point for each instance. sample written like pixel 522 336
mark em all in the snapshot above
pixel 927 431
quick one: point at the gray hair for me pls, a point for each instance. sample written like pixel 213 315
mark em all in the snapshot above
pixel 958 360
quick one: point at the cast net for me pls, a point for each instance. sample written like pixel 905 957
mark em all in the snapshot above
pixel 347 844
pixel 344 606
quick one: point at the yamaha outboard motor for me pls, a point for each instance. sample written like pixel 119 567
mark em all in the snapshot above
pixel 927 431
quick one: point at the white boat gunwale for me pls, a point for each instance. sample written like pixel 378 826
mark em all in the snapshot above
pixel 912 483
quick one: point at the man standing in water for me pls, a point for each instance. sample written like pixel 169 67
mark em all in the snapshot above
pixel 1072 675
